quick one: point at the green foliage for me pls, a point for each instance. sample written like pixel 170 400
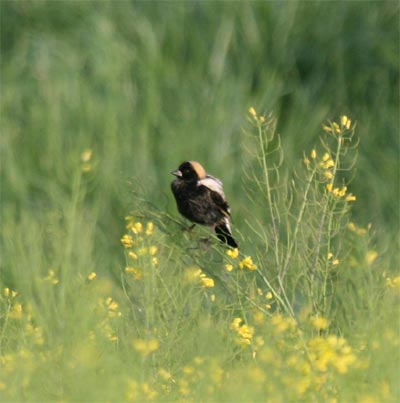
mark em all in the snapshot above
pixel 104 296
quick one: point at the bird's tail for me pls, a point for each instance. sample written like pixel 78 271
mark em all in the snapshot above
pixel 224 234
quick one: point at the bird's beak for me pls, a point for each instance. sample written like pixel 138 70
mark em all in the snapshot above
pixel 177 173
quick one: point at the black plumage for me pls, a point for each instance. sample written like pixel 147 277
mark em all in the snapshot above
pixel 201 199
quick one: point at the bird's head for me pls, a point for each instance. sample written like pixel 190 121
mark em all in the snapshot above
pixel 190 171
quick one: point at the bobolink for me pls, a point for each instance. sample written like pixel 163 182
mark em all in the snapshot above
pixel 201 199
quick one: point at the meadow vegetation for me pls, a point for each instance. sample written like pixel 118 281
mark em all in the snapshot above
pixel 104 295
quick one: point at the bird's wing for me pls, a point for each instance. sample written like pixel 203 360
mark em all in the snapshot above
pixel 216 192
pixel 213 184
pixel 224 233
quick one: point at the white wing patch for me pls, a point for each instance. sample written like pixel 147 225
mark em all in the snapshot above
pixel 213 184
pixel 228 224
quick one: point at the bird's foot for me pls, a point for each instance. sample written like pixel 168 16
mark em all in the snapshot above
pixel 188 229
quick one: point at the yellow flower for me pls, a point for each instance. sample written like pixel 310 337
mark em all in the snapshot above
pixel 133 255
pixel 16 311
pixel 326 128
pixel 247 263
pixel 153 250
pixel 326 157
pixel 9 293
pixel 269 295
pixel 145 347
pixel 236 323
pixel 345 122
pixel 319 322
pixel 246 332
pixel 342 191
pixel 327 161
pixel 197 272
pixel 233 253
pixel 111 304
pixel 166 375
pixel 192 274
pixel 217 373
pixel 149 228
pixel 393 283
pixel 371 256
pixel 36 332
pixel 188 370
pixel 252 112
pixel 335 262
pixel 127 241
pixel 332 352
pixel 243 342
pixel 282 323
pixel 92 276
pixel 329 164
pixel 351 197
pixel 136 228
pixel 336 127
pixel 51 277
pixel 184 387
pixel 259 317
pixel 353 227
pixel 131 221
pixel 343 362
pixel 207 282
pixel 336 191
pixel 86 155
pixel 228 267
pixel 135 271
pixel 150 393
pixel 328 174
pixel 143 251
pixel 198 360
pixel 313 154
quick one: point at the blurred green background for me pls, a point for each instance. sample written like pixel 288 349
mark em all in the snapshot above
pixel 146 85
pixel 100 101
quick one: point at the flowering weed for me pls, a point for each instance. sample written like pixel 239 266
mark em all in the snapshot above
pixel 302 312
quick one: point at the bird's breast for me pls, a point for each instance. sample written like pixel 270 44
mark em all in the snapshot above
pixel 195 203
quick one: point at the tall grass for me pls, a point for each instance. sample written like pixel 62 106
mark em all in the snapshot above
pixel 304 318
pixel 105 296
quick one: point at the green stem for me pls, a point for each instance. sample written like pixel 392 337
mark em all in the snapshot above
pixel 268 188
pixel 297 227
pixel 322 222
pixel 273 220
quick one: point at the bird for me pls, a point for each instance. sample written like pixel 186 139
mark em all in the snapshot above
pixel 200 198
